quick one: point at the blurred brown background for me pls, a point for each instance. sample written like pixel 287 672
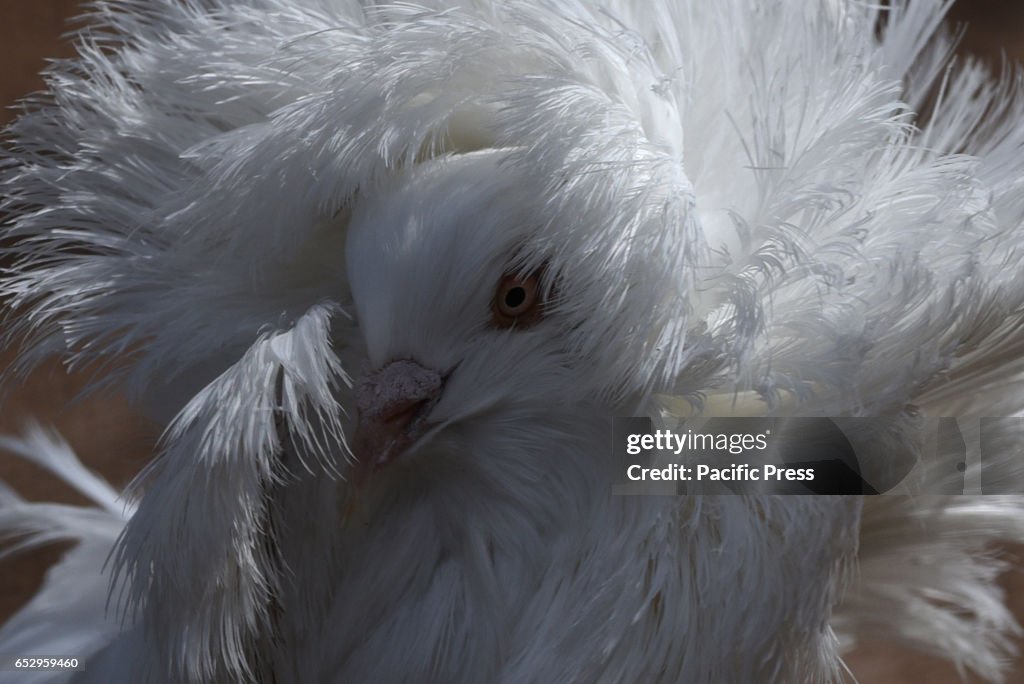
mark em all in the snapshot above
pixel 102 429
pixel 109 437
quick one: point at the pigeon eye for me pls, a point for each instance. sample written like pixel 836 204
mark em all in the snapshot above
pixel 517 301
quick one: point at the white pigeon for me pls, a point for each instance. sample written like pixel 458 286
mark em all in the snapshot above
pixel 387 272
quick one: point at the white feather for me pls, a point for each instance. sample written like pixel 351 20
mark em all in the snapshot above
pixel 68 616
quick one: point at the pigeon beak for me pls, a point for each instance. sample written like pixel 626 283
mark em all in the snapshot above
pixel 393 404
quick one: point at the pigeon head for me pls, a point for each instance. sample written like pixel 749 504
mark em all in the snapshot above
pixel 480 312
pixel 463 318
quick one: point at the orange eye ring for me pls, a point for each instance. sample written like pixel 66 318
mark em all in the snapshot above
pixel 517 301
